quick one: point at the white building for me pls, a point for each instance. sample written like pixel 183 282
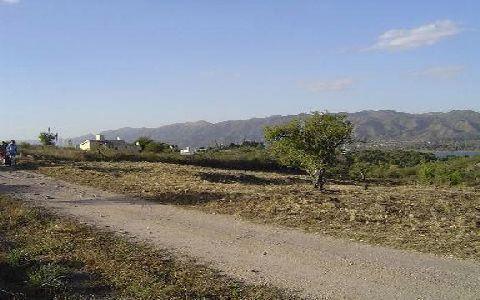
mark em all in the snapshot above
pixel 101 143
pixel 187 151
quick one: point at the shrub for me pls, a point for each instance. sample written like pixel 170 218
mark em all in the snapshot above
pixel 426 173
pixel 455 177
pixel 47 138
pixel 453 171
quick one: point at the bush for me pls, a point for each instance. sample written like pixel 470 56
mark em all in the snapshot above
pixel 47 138
pixel 388 165
pixel 455 178
pixel 399 158
pixel 426 173
pixel 454 171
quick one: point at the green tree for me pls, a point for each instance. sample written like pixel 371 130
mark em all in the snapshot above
pixel 312 144
pixel 47 138
pixel 143 142
pixel 148 145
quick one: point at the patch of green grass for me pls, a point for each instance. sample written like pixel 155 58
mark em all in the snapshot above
pixel 44 256
pixel 48 275
pixel 16 258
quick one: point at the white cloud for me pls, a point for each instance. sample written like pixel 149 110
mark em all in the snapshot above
pixel 441 72
pixel 425 35
pixel 10 1
pixel 335 85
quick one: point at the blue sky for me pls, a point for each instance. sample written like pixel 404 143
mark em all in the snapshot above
pixel 86 66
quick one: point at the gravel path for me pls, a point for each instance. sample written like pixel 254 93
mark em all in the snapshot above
pixel 315 265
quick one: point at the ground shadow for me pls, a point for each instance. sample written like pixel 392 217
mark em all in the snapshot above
pixel 330 191
pixel 174 198
pixel 14 189
pixel 369 182
pixel 247 179
pixel 26 165
pixel 14 282
pixel 103 201
pixel 111 169
pixel 18 167
pixel 186 198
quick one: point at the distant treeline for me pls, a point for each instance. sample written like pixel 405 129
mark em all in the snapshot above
pixel 236 158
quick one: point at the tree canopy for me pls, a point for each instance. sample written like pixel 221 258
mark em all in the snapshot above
pixel 312 143
pixel 143 142
pixel 148 145
pixel 47 138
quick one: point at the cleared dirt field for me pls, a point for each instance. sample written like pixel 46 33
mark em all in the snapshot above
pixel 444 221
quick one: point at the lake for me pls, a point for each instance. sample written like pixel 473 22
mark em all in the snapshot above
pixel 442 154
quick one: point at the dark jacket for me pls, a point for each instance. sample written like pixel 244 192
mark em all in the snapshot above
pixel 12 149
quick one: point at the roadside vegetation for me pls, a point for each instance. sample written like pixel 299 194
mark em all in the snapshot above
pixel 377 166
pixel 236 157
pixel 44 256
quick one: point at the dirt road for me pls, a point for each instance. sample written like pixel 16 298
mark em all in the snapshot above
pixel 314 265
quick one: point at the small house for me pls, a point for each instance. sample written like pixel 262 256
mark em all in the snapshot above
pixel 101 143
pixel 187 151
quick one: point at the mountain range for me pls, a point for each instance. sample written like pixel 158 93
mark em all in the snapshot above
pixel 382 125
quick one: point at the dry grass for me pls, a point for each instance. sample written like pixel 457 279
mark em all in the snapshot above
pixel 443 221
pixel 43 256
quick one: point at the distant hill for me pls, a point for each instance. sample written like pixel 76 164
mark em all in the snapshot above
pixel 383 125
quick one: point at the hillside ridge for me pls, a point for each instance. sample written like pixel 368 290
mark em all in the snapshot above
pixel 370 125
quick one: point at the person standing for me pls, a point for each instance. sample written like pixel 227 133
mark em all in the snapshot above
pixel 12 151
pixel 3 153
